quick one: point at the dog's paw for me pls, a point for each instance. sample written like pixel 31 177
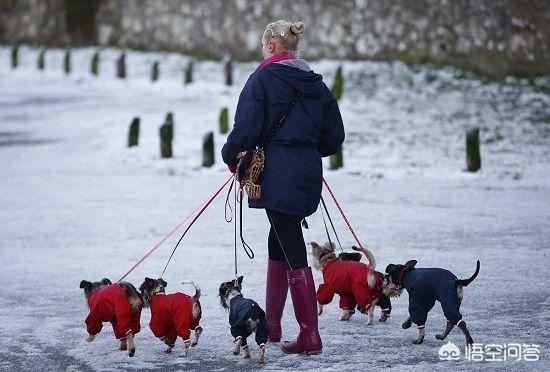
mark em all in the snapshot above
pixel 440 337
pixel 122 345
pixel 246 353
pixel 183 354
pixel 131 352
pixel 194 343
pixel 236 351
pixel 418 341
pixel 406 324
pixel 261 358
pixel 90 338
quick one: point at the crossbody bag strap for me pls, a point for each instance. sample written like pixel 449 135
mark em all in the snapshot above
pixel 268 130
pixel 273 129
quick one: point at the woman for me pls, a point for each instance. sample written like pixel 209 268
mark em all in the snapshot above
pixel 292 178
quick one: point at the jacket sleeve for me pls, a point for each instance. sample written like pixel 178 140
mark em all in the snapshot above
pixel 332 134
pixel 324 294
pixel 249 121
pixel 156 327
pixel 93 322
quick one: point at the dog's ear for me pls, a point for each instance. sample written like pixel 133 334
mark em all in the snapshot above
pixel 330 245
pixel 85 284
pixel 163 282
pixel 240 280
pixel 106 281
pixel 316 248
pixel 390 268
pixel 410 264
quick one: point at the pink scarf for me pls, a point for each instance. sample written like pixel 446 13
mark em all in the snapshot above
pixel 283 56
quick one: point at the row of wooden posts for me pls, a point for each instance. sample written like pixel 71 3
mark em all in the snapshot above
pixel 121 71
pixel 166 132
pixel 473 158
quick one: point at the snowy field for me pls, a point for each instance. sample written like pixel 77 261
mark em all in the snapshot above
pixel 76 203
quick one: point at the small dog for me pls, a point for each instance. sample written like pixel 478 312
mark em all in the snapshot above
pixel 120 304
pixel 357 284
pixel 172 315
pixel 245 317
pixel 425 286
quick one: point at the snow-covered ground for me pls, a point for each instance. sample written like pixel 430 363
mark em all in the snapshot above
pixel 76 203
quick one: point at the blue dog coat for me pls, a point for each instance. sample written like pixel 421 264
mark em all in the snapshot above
pixel 425 286
pixel 241 309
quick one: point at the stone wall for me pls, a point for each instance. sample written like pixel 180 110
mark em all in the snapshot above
pixel 495 37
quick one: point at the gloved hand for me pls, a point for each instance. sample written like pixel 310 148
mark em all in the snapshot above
pixel 232 167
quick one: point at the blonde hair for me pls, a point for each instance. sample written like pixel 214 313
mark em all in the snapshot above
pixel 285 32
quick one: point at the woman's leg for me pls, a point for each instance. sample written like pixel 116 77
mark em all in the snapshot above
pixel 276 287
pixel 288 232
pixel 286 240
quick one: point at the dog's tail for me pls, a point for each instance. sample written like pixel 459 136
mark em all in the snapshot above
pixel 465 282
pixel 197 294
pixel 368 254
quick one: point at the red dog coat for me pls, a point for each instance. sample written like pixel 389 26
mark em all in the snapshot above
pixel 172 316
pixel 109 304
pixel 349 279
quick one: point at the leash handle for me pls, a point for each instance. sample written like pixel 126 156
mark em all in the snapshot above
pixel 342 212
pixel 194 220
pixel 247 249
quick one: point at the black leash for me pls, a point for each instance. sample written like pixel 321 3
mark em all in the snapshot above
pixel 249 252
pixel 192 222
pixel 331 224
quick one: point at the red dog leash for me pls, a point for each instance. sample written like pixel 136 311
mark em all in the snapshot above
pixel 342 212
pixel 201 207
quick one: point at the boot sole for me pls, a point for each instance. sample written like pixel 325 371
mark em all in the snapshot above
pixel 307 352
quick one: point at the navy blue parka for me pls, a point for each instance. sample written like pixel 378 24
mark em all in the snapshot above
pixel 292 178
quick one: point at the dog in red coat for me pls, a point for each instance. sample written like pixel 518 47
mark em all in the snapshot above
pixel 119 304
pixel 357 284
pixel 172 315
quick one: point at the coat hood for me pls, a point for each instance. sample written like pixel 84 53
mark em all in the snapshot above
pixel 298 74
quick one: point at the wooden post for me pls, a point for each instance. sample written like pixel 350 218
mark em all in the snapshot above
pixel 188 73
pixel 473 157
pixel 67 62
pixel 133 134
pixel 166 136
pixel 155 72
pixel 121 66
pixel 15 56
pixel 228 71
pixel 41 59
pixel 224 120
pixel 338 86
pixel 208 150
pixel 94 67
pixel 337 160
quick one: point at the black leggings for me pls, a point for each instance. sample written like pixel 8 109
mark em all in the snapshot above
pixel 286 230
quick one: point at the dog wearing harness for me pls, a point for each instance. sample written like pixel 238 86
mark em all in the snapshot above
pixel 425 286
pixel 172 315
pixel 357 284
pixel 245 317
pixel 119 304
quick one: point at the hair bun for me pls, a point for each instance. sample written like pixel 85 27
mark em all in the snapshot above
pixel 297 28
